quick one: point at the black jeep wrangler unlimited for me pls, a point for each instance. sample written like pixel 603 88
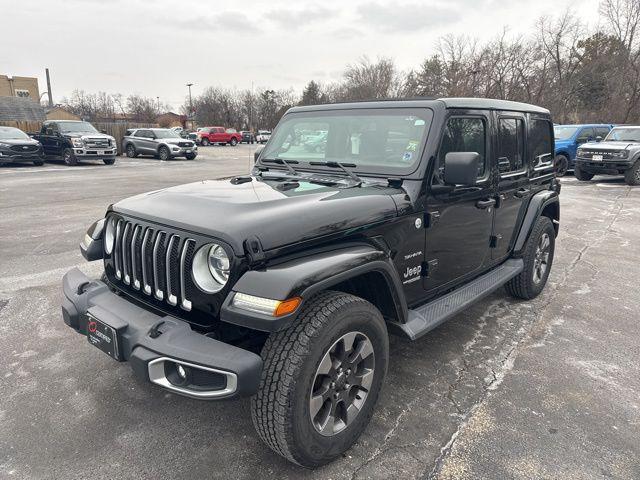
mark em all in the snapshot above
pixel 284 284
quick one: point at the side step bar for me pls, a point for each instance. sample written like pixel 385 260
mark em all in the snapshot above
pixel 427 317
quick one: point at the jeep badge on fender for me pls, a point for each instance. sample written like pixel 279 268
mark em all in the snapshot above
pixel 283 285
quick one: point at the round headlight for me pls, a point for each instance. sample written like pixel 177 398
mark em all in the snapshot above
pixel 211 267
pixel 109 235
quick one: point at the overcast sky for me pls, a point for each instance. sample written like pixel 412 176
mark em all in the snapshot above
pixel 155 47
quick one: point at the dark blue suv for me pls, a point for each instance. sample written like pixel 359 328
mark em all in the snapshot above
pixel 569 137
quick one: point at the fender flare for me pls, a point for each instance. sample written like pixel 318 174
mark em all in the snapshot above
pixel 537 204
pixel 307 275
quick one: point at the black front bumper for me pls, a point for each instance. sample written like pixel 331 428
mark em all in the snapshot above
pixel 605 166
pixel 11 157
pixel 229 371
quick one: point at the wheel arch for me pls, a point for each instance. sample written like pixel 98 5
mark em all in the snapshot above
pixel 361 270
pixel 546 203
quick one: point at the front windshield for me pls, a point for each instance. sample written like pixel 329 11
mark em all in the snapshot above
pixel 374 140
pixel 166 134
pixel 623 135
pixel 75 127
pixel 564 133
pixel 10 133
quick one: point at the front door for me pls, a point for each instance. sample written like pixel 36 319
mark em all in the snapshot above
pixel 513 184
pixel 459 220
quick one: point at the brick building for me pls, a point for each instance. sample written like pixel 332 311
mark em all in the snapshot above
pixel 26 87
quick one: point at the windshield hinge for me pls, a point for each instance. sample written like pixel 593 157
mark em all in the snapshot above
pixel 253 250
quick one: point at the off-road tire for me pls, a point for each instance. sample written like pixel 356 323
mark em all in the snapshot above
pixel 632 176
pixel 38 163
pixel 205 142
pixel 522 285
pixel 561 163
pixel 280 410
pixel 69 157
pixel 164 154
pixel 131 151
pixel 582 175
pixel 233 142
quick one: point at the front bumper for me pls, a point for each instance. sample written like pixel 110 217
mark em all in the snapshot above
pixel 610 166
pixel 7 156
pixel 153 344
pixel 183 151
pixel 95 154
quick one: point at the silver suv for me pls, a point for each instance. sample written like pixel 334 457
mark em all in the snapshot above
pixel 162 143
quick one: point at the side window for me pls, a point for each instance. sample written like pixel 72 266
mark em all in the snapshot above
pixel 602 132
pixel 140 133
pixel 464 134
pixel 585 135
pixel 510 145
pixel 540 134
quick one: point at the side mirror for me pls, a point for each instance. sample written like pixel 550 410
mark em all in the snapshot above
pixel 103 131
pixel 48 131
pixel 598 138
pixel 256 154
pixel 461 168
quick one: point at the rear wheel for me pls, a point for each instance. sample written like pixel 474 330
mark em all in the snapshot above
pixel 164 153
pixel 632 176
pixel 69 157
pixel 321 379
pixel 581 174
pixel 190 156
pixel 538 258
pixel 38 163
pixel 562 165
pixel 205 142
pixel 233 142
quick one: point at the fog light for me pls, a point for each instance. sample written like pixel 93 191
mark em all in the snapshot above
pixel 182 372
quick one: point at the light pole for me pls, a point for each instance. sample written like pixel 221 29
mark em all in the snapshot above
pixel 158 99
pixel 190 104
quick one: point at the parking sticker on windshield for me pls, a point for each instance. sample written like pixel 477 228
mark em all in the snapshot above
pixel 407 156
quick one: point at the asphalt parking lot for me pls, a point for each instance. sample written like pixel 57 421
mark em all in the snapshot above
pixel 542 389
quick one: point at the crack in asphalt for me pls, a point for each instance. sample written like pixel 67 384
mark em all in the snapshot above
pixel 508 359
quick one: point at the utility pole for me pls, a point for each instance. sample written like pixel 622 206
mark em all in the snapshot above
pixel 190 105
pixel 49 88
pixel 158 99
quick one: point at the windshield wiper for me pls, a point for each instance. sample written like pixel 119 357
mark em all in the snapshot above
pixel 343 166
pixel 281 161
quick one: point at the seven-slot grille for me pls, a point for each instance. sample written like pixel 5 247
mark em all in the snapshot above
pixel 155 262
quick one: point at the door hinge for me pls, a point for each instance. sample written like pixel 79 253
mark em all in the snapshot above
pixel 431 218
pixel 427 268
pixel 494 240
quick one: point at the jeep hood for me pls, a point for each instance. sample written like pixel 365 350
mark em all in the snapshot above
pixel 278 214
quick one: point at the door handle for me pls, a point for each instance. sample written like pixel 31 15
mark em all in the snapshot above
pixel 521 192
pixel 482 204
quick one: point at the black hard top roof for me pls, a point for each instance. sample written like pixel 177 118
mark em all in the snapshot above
pixel 467 103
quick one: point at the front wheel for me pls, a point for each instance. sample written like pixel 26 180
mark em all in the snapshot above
pixel 38 163
pixel 581 174
pixel 164 153
pixel 538 258
pixel 233 142
pixel 632 176
pixel 69 157
pixel 205 142
pixel 321 379
pixel 190 156
pixel 109 161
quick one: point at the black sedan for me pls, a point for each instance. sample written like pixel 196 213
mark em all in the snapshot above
pixel 17 146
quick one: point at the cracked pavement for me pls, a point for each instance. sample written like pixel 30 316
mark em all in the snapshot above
pixel 508 389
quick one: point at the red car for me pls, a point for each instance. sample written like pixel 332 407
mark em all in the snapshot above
pixel 220 135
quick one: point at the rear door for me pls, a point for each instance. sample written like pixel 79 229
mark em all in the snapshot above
pixel 513 189
pixel 459 221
